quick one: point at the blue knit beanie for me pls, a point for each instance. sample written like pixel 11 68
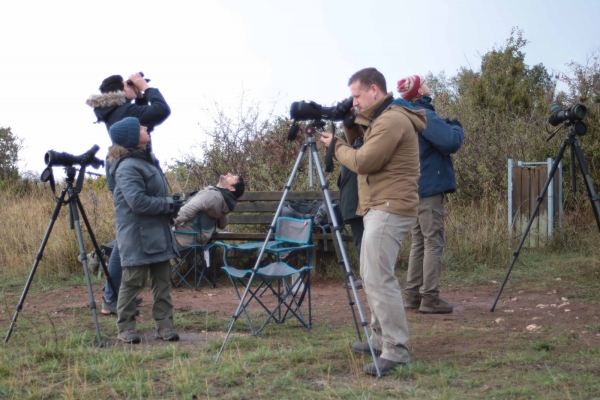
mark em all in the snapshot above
pixel 126 133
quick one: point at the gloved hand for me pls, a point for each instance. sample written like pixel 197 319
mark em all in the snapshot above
pixel 177 204
pixel 453 121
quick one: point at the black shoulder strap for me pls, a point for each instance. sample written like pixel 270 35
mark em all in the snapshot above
pixel 381 109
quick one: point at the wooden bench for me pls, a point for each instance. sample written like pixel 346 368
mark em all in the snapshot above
pixel 258 209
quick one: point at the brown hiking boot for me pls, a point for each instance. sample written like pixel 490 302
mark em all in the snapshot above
pixel 437 306
pixel 385 366
pixel 129 336
pixel 363 348
pixel 412 302
pixel 168 334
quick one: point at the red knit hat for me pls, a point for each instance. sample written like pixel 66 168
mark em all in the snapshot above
pixel 409 87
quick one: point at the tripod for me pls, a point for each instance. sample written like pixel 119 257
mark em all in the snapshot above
pixel 347 273
pixel 571 142
pixel 74 204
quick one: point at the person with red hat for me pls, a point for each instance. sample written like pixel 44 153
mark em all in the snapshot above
pixel 437 143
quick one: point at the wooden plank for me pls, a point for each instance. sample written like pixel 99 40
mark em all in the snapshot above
pixel 292 195
pixel 250 219
pixel 516 213
pixel 534 232
pixel 543 212
pixel 256 207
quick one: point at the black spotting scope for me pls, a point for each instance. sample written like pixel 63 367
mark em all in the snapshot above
pixel 574 113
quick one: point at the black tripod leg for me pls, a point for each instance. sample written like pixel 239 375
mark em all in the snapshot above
pixel 588 182
pixel 38 257
pixel 95 243
pixel 75 216
pixel 539 200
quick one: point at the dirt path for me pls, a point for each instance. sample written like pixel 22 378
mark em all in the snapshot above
pixel 526 311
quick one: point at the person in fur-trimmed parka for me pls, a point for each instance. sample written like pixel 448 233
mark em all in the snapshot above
pixel 143 211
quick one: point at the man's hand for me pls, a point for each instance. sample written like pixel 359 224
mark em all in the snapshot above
pixel 139 82
pixel 326 138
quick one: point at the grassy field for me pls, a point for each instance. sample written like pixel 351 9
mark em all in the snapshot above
pixel 470 354
pixel 543 341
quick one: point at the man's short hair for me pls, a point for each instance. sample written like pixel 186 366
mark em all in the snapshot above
pixel 367 77
pixel 113 83
pixel 240 187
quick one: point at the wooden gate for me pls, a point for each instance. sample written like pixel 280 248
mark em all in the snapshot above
pixel 527 181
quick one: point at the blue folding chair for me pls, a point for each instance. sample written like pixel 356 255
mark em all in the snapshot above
pixel 194 261
pixel 290 286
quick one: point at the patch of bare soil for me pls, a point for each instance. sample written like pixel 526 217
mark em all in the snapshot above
pixel 528 312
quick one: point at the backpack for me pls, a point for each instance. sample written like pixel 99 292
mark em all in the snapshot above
pixel 315 210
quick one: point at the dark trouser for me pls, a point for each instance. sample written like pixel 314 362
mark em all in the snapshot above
pixel 357 228
pixel 116 272
pixel 134 280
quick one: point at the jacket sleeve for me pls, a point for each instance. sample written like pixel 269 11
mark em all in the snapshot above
pixel 132 185
pixel 190 209
pixel 444 137
pixel 222 222
pixel 153 114
pixel 377 150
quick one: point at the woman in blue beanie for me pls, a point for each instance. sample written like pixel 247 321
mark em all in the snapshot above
pixel 143 211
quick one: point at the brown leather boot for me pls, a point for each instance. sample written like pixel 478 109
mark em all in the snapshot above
pixel 435 306
pixel 412 301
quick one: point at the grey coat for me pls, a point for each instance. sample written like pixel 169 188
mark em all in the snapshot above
pixel 142 209
pixel 212 209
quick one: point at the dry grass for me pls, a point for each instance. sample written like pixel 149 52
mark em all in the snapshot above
pixel 26 218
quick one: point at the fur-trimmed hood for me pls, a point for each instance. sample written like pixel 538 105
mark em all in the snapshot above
pixel 104 104
pixel 109 99
pixel 115 152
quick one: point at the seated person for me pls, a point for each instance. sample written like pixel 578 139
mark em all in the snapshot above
pixel 211 204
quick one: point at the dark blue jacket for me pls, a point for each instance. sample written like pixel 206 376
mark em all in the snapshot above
pixel 436 143
pixel 112 107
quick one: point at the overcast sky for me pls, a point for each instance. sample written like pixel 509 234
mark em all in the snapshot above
pixel 54 55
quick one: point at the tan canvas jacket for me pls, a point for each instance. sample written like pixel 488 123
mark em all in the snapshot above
pixel 388 162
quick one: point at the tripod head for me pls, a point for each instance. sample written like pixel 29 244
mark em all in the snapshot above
pixel 315 127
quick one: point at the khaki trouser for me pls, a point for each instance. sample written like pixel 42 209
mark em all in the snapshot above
pixel 134 280
pixel 425 262
pixel 380 245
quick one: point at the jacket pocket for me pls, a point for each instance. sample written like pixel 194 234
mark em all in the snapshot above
pixel 152 237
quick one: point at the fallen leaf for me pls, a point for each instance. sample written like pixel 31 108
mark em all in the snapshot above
pixel 542 305
pixel 534 318
pixel 564 299
pixel 498 320
pixel 533 327
pixel 557 279
pixel 509 310
pixel 567 310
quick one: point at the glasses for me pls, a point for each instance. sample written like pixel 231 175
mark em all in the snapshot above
pixel 422 83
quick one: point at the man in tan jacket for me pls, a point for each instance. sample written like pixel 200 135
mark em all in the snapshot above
pixel 388 171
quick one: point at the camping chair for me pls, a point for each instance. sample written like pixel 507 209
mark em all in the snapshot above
pixel 196 258
pixel 291 236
